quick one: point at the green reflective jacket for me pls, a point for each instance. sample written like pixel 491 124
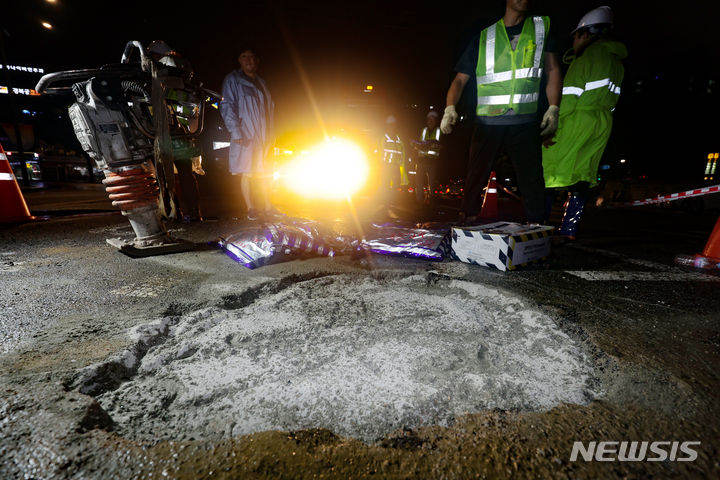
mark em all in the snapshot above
pixel 591 90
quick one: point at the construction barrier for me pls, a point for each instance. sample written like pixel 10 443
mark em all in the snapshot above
pixel 677 196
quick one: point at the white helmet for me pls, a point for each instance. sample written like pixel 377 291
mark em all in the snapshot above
pixel 595 17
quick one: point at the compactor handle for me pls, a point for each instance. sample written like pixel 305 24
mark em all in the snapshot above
pixel 43 85
pixel 128 51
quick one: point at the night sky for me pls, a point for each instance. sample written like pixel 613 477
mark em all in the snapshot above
pixel 406 48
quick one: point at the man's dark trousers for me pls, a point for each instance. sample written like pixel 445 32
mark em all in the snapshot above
pixel 522 144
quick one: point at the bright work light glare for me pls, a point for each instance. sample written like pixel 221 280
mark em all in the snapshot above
pixel 335 169
pixel 47 25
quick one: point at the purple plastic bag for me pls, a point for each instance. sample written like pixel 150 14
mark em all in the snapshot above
pixel 389 239
pixel 262 244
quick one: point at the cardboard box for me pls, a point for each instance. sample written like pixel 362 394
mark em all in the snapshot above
pixel 501 245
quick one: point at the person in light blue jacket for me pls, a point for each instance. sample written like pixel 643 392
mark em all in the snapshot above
pixel 247 109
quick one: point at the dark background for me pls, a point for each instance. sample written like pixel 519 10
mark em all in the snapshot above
pixel 666 122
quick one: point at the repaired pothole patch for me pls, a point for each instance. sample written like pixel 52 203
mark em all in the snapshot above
pixel 359 355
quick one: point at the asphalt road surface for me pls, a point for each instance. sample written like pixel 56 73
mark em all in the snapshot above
pixel 193 366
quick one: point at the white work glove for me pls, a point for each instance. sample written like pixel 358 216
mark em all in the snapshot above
pixel 550 121
pixel 450 118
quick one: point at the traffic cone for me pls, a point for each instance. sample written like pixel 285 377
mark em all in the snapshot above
pixel 710 257
pixel 490 202
pixel 712 248
pixel 12 204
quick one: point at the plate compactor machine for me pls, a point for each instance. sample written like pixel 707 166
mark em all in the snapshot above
pixel 126 117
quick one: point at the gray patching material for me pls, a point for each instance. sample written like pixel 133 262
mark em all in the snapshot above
pixel 358 355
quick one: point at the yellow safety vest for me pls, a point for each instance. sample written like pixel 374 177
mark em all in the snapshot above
pixel 508 78
pixel 428 134
pixel 393 150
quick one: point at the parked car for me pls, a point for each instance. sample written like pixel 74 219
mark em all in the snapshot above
pixel 31 163
pixel 454 188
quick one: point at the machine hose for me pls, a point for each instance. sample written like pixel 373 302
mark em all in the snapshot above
pixel 135 87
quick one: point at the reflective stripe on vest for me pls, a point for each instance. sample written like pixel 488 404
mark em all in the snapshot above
pixel 505 99
pixel 517 83
pixel 605 82
pixel 506 76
